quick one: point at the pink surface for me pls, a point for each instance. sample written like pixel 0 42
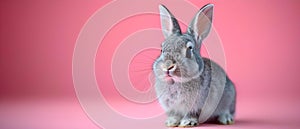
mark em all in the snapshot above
pixel 37 38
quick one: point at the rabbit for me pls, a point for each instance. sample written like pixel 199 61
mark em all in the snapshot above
pixel 183 79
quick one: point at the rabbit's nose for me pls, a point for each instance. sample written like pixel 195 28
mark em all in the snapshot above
pixel 169 66
pixel 172 67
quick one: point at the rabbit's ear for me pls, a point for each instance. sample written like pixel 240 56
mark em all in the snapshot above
pixel 201 24
pixel 169 24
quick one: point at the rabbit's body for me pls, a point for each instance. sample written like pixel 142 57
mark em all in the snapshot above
pixel 182 99
pixel 184 79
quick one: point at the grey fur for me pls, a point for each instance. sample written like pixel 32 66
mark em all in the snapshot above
pixel 185 82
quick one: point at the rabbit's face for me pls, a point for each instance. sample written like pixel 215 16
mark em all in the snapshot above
pixel 180 60
pixel 177 62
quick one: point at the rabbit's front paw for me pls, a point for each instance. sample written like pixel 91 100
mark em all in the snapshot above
pixel 226 119
pixel 188 122
pixel 172 121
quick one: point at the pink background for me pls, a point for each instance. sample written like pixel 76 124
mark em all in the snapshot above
pixel 37 39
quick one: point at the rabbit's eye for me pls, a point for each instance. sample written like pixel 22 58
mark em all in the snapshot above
pixel 189 45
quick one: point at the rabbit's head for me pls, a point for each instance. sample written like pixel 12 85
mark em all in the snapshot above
pixel 180 59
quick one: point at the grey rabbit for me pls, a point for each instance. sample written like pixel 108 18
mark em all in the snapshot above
pixel 184 81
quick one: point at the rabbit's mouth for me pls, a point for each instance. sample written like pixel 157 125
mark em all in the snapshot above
pixel 171 74
pixel 176 76
pixel 168 76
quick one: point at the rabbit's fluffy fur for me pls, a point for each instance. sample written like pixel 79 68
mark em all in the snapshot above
pixel 183 79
